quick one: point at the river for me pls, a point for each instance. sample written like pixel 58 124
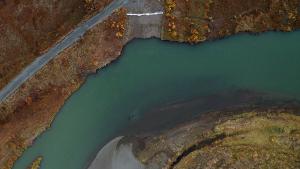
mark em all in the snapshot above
pixel 151 73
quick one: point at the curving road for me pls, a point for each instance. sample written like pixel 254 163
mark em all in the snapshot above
pixel 72 37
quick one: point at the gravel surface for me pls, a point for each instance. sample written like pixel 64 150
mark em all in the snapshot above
pixel 113 156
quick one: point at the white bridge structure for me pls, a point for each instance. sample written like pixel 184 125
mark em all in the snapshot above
pixel 145 14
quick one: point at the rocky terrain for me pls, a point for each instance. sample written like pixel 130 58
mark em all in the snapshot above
pixel 24 35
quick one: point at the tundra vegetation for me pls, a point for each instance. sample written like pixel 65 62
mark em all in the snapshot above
pixel 195 21
pixel 249 139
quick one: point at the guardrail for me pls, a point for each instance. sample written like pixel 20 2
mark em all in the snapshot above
pixel 145 14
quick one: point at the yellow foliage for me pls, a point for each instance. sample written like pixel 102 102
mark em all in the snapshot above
pixel 119 34
pixel 36 164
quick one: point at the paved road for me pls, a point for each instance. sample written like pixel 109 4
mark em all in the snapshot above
pixel 75 35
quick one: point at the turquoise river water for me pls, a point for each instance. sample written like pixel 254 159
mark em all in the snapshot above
pixel 152 72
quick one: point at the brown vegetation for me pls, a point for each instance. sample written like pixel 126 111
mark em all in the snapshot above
pixel 197 20
pixel 238 139
pixel 118 27
pixel 32 108
pixel 28 28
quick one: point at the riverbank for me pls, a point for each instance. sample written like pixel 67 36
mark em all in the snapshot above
pixel 29 29
pixel 30 110
pixel 114 155
pixel 247 135
pixel 67 41
pixel 111 100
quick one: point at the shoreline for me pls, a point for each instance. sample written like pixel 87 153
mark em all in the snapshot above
pixel 175 42
pixel 114 155
pixel 115 60
pixel 144 144
pixel 63 43
pixel 30 99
